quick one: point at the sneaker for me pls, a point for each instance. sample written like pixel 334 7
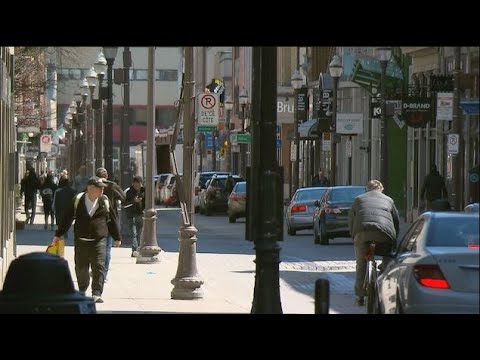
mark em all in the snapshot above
pixel 134 253
pixel 360 301
pixel 97 299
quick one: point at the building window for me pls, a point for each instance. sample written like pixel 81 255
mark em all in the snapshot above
pixel 166 75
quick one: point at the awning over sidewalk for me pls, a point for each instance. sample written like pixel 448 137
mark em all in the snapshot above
pixel 308 129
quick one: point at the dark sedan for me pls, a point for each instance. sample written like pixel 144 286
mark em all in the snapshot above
pixel 435 268
pixel 330 218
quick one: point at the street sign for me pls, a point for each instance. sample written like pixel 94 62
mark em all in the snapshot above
pixel 348 148
pixel 452 143
pixel 205 128
pixel 233 139
pixel 208 109
pixel 279 143
pixel 244 138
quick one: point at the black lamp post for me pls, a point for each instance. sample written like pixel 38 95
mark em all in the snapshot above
pixel 77 121
pixel 243 101
pixel 110 54
pixel 336 70
pixel 297 82
pixel 383 54
pixel 228 108
pixel 100 67
pixel 83 106
pixel 91 79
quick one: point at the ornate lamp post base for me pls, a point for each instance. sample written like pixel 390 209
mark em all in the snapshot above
pixel 148 251
pixel 187 283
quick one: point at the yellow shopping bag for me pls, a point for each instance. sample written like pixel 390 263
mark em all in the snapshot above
pixel 57 248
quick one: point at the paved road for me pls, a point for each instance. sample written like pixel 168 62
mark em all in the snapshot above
pixel 225 261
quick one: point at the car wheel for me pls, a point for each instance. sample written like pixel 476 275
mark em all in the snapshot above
pixel 291 231
pixel 232 219
pixel 316 237
pixel 323 235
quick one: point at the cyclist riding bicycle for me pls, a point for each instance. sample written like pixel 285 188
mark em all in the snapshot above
pixel 373 217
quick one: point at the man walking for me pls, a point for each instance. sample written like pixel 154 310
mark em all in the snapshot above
pixel 373 217
pixel 114 193
pixel 433 188
pixel 94 221
pixel 134 205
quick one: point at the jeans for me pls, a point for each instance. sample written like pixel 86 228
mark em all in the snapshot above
pixel 361 244
pixel 90 254
pixel 135 225
pixel 108 254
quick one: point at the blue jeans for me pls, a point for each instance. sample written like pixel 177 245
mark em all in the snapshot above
pixel 135 224
pixel 108 254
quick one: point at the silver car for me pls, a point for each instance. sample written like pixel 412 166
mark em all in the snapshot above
pixel 237 201
pixel 299 213
pixel 435 268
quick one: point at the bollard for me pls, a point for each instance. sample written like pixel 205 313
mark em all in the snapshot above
pixel 41 283
pixel 322 296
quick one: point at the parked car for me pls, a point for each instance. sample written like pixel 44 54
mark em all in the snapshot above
pixel 216 198
pixel 237 201
pixel 435 268
pixel 472 208
pixel 330 216
pixel 159 182
pixel 199 184
pixel 298 214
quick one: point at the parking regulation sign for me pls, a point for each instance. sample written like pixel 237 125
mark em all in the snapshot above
pixel 207 109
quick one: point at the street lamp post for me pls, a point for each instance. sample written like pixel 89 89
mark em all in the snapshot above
pixel 336 70
pixel 187 282
pixel 77 121
pixel 85 157
pixel 243 101
pixel 228 151
pixel 383 54
pixel 91 80
pixel 264 186
pixel 126 177
pixel 149 248
pixel 100 67
pixel 297 82
pixel 110 54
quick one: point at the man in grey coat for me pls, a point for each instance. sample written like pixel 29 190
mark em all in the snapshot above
pixel 373 217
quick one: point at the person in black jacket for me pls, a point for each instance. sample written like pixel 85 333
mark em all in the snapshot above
pixel 62 198
pixel 433 188
pixel 94 221
pixel 47 190
pixel 114 193
pixel 134 205
pixel 373 217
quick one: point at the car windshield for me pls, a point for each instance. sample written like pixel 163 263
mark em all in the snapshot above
pixel 310 194
pixel 241 187
pixel 454 231
pixel 346 194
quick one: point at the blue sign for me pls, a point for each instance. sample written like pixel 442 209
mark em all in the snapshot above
pixel 209 141
pixel 279 143
pixel 470 107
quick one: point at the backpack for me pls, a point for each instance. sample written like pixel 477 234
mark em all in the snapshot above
pixel 79 196
pixel 47 194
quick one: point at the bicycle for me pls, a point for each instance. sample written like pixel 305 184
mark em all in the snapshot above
pixel 371 274
pixel 370 283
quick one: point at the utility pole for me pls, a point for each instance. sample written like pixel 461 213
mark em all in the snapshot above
pixel 149 248
pixel 126 177
pixel 187 283
pixel 265 184
pixel 458 161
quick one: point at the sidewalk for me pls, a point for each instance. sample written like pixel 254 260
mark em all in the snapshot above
pixel 228 281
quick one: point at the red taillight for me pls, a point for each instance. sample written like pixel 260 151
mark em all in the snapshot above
pixel 430 276
pixel 235 197
pixel 299 208
pixel 473 246
pixel 332 210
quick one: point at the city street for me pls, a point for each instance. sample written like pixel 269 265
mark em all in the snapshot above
pixel 225 262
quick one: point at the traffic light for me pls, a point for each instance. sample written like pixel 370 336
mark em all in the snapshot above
pixel 222 151
pixel 225 143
